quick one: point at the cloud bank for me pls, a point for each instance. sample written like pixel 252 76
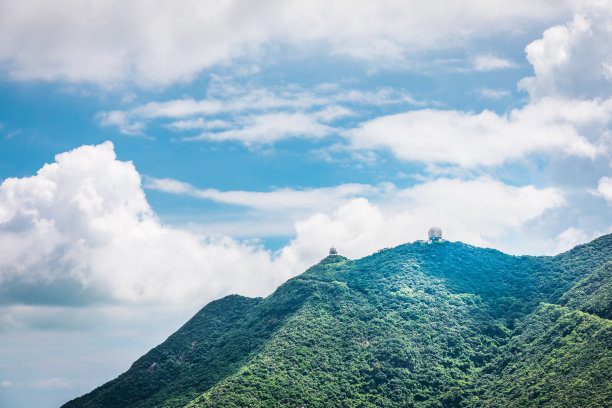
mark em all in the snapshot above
pixel 82 227
pixel 70 40
pixel 568 112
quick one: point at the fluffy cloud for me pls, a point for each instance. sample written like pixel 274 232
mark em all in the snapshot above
pixel 258 214
pixel 109 42
pixel 479 212
pixel 486 138
pixel 568 111
pixel 574 59
pixel 84 221
pixel 360 219
pixel 604 188
pixel 82 227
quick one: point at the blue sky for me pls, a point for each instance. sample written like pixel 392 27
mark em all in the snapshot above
pixel 158 155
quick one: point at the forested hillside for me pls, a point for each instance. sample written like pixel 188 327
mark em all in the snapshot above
pixel 421 325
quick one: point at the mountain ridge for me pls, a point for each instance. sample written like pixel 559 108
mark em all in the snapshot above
pixel 415 325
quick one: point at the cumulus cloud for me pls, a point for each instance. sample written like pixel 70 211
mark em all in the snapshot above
pixel 569 109
pixel 485 138
pixel 573 59
pixel 258 214
pixel 361 219
pixel 82 225
pixel 85 219
pixel 478 211
pixel 73 40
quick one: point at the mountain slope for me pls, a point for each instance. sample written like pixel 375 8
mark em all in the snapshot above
pixel 422 325
pixel 593 294
pixel 561 358
pixel 209 347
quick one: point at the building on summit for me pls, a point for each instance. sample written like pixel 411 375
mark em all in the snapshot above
pixel 435 234
pixel 332 251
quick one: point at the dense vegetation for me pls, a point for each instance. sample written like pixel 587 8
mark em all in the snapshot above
pixel 419 325
pixel 561 358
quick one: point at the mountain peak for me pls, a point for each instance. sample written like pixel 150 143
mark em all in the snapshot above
pixel 421 325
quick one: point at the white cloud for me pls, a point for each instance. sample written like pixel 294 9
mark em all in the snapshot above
pixel 553 121
pixel 122 121
pixel 6 384
pixel 271 213
pixel 488 62
pixel 479 212
pixel 129 97
pixel 269 128
pixel 469 208
pixel 168 185
pixel 109 42
pixel 569 111
pixel 569 238
pixel 332 113
pixel 324 103
pixel 573 59
pixel 198 124
pixel 493 93
pixel 486 138
pixel 604 188
pixel 315 199
pixel 361 219
pixel 84 219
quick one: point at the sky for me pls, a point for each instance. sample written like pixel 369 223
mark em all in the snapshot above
pixel 158 155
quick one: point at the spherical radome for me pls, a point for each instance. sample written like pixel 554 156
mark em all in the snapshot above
pixel 435 232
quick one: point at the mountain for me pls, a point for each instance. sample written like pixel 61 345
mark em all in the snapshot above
pixel 443 324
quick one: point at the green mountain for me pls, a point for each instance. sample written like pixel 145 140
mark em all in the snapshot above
pixel 421 325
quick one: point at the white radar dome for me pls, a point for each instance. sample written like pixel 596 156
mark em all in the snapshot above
pixel 435 233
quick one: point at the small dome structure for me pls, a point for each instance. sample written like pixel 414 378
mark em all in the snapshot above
pixel 332 251
pixel 435 234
